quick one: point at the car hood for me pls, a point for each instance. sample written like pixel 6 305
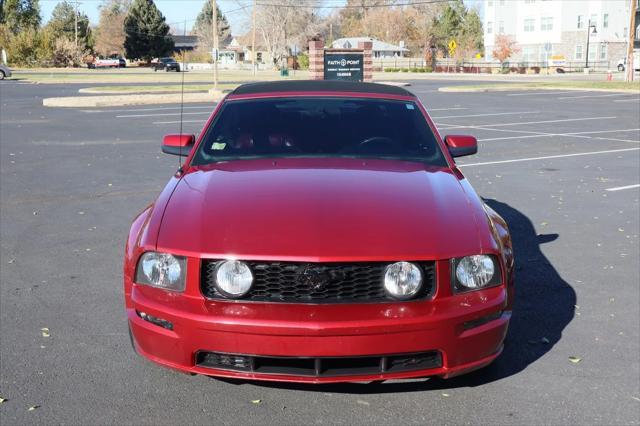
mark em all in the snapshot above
pixel 321 210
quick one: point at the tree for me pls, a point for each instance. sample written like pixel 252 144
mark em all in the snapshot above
pixel 63 24
pixel 285 25
pixel 110 31
pixel 20 15
pixel 461 24
pixel 504 47
pixel 146 32
pixel 203 28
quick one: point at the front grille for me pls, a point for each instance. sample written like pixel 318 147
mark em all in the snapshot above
pixel 297 282
pixel 321 366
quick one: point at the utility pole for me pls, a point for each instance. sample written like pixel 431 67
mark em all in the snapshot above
pixel 214 27
pixel 253 37
pixel 76 20
pixel 629 69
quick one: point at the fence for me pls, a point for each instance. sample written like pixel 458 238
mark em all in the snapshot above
pixel 479 66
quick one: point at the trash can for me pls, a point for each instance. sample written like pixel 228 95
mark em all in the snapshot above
pixel 284 72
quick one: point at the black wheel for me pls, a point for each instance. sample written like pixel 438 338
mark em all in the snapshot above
pixel 155 69
pixel 620 67
pixel 2 76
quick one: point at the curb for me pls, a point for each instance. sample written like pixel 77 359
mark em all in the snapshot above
pixel 462 89
pixel 129 100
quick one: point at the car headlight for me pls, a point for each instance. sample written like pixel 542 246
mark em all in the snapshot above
pixel 402 280
pixel 162 270
pixel 233 278
pixel 475 272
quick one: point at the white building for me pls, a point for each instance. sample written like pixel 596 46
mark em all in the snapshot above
pixel 558 28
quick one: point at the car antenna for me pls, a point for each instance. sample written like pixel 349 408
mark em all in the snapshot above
pixel 181 98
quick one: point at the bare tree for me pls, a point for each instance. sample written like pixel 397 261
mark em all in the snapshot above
pixel 286 23
pixel 110 31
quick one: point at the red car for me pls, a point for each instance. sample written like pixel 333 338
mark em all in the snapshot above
pixel 319 232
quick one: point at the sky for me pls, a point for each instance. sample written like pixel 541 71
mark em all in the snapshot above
pixel 177 11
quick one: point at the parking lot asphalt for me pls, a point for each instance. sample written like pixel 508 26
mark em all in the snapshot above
pixel 562 167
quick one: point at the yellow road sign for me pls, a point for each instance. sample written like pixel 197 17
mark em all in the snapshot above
pixel 452 47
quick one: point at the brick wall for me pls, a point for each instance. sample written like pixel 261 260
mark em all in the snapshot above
pixel 367 47
pixel 316 60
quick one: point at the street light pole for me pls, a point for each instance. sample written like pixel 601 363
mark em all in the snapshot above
pixel 586 64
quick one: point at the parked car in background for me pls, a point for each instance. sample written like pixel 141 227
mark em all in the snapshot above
pixel 167 64
pixel 4 71
pixel 622 63
pixel 112 62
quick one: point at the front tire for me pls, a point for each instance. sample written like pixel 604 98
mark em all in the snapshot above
pixel 2 76
pixel 620 67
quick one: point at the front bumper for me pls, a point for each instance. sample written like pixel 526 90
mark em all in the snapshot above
pixel 313 331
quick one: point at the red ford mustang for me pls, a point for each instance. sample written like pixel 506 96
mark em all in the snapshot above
pixel 319 232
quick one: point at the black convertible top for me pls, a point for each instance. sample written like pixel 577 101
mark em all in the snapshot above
pixel 319 86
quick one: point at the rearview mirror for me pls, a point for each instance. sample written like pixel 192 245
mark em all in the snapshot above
pixel 177 144
pixel 460 145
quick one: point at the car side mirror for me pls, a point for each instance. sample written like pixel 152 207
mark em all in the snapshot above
pixel 460 145
pixel 177 144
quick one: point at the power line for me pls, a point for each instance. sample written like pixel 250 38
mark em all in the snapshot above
pixel 347 6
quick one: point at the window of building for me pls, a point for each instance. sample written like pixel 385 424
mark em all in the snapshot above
pixel 593 19
pixel 489 27
pixel 527 53
pixel 501 27
pixel 546 24
pixel 592 52
pixel 603 51
pixel 529 24
pixel 578 54
pixel 580 21
pixel 501 2
pixel 490 3
pixel 605 20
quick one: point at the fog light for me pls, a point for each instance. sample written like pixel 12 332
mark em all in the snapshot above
pixel 155 320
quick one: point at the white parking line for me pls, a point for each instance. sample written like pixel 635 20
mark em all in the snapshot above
pixel 572 134
pixel 178 121
pixel 482 126
pixel 594 96
pixel 445 109
pixel 161 114
pixel 628 100
pixel 208 107
pixel 549 157
pixel 620 188
pixel 487 115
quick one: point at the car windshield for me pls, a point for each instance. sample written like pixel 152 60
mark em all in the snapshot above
pixel 319 127
pixel 166 60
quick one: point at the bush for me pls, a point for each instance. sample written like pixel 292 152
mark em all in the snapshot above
pixel 303 61
pixel 404 70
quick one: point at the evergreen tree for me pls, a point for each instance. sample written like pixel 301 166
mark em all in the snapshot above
pixel 146 32
pixel 203 28
pixel 63 24
pixel 20 15
pixel 458 23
